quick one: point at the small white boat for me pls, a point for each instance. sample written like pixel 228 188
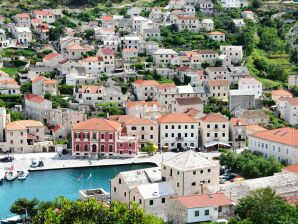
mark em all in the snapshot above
pixel 11 175
pixel 2 175
pixel 22 175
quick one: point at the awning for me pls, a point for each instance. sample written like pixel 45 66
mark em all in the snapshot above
pixel 209 144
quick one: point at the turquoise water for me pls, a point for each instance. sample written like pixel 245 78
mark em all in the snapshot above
pixel 46 185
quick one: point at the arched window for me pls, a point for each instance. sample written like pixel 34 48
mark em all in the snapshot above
pixel 85 148
pixel 93 148
pixel 77 147
pixel 102 148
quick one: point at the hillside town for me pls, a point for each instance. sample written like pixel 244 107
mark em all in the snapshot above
pixel 208 87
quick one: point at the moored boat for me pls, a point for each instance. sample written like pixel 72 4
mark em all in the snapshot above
pixel 11 175
pixel 22 175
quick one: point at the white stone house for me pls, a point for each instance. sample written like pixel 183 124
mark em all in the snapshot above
pixel 178 130
pixel 292 81
pixel 247 14
pixel 9 87
pixel 291 111
pixel 163 57
pixel 199 208
pixel 182 105
pixel 144 109
pixel 280 143
pixel 93 64
pixel 250 83
pixel 130 42
pixel 239 23
pixel 218 89
pixel 234 52
pixel 36 107
pixel 45 15
pixel 76 51
pixel 214 128
pixel 215 73
pixel 217 36
pixel 52 59
pixel 42 85
pixel 186 22
pixel 22 34
pixel 233 3
pixel 207 25
pixel 108 56
pixel 206 6
pixel 22 20
pixel 129 54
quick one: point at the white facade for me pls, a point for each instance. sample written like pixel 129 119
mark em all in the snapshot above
pixel 22 34
pixel 251 84
pixel 233 52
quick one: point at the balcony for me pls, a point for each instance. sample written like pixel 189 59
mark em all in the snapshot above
pixel 179 138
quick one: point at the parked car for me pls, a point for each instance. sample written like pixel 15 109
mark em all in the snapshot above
pixel 175 150
pixel 6 159
pixel 34 163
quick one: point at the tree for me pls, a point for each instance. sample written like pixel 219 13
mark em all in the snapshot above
pixel 93 212
pixel 263 207
pixel 24 206
pixel 65 89
pixel 256 3
pixel 26 87
pixel 149 147
pixel 15 115
pixel 89 33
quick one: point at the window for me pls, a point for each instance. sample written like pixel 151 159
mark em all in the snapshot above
pixel 178 184
pixel 192 126
pixel 102 136
pixel 111 136
pixel 151 202
pixel 114 189
pixel 219 208
pixel 134 128
pixel 193 184
pixel 194 172
pixel 119 180
pixel 197 213
pixel 94 135
pixel 124 194
pixel 202 171
pixel 207 212
pixel 208 125
pixel 163 200
pixel 140 201
pixel 209 170
pixel 178 173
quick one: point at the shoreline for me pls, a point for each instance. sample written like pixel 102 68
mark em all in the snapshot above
pixel 90 166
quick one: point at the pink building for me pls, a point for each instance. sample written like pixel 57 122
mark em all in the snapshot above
pixel 100 137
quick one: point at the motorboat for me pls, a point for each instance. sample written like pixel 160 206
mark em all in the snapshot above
pixel 2 175
pixel 11 175
pixel 22 175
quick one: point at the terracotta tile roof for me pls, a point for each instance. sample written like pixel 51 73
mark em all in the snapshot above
pixel 249 80
pixel 141 121
pixel 6 82
pixel 50 56
pixel 192 112
pixel 130 50
pixel 185 68
pixel 217 69
pixel 34 98
pixel 185 17
pixel 106 18
pixel 43 12
pixel 255 128
pixel 78 47
pixel 166 85
pixel 107 51
pixel 93 59
pixel 214 117
pixel 218 82
pixel 39 78
pixel 176 118
pixel 292 168
pixel 50 81
pixel 132 104
pixel 292 200
pixel 216 33
pixel 189 101
pixel 36 20
pixel 238 121
pixel 121 118
pixel 97 124
pixel 56 128
pixel 23 125
pixel 286 136
pixel 205 200
pixel 23 15
pixel 293 101
pixel 254 114
pixel 141 82
pixel 281 93
pixel 176 12
pixel 206 51
pixel 92 89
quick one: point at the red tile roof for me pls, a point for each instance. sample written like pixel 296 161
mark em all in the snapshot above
pixel 8 82
pixel 216 33
pixel 93 59
pixel 107 51
pixel 185 17
pixel 205 200
pixel 34 98
pixel 92 89
pixel 214 117
pixel 218 82
pixel 43 12
pixel 293 101
pixel 50 56
pixel 98 124
pixel 50 81
pixel 23 15
pixel 141 82
pixel 292 168
pixel 176 118
pixel 292 200
pixel 288 136
pixel 130 50
pixel 140 121
pixel 131 104
pixel 238 121
pixel 189 101
pixel 281 93
pixel 184 68
pixel 38 78
pixel 106 18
